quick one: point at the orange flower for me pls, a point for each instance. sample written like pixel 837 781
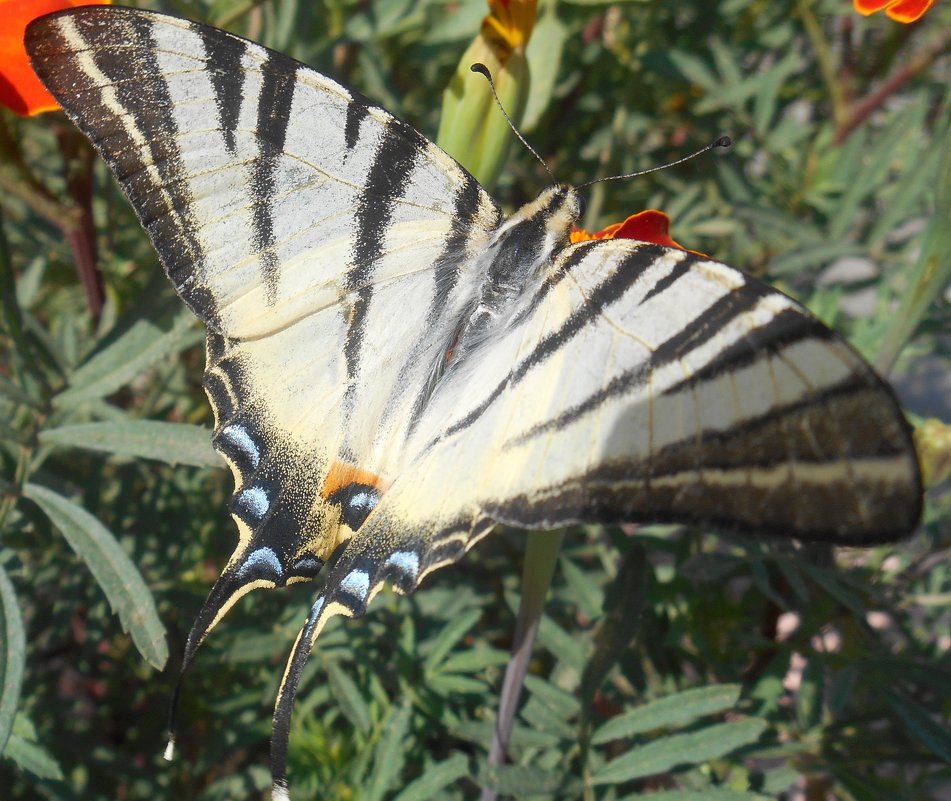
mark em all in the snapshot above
pixel 898 10
pixel 20 89
pixel 508 25
pixel 646 226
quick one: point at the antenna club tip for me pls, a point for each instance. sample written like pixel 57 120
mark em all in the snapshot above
pixel 481 69
pixel 723 142
pixel 169 754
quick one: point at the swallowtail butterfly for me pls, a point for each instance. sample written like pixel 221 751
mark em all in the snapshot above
pixel 395 366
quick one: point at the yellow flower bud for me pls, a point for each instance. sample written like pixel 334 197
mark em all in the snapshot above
pixel 472 129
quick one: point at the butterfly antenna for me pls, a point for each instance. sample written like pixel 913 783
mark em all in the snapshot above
pixel 721 142
pixel 484 71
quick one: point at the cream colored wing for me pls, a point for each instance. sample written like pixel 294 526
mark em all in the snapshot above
pixel 391 361
pixel 637 383
pixel 323 242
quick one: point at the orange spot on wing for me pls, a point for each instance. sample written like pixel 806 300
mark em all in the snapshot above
pixel 343 474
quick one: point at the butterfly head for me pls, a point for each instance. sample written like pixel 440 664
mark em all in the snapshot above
pixel 550 216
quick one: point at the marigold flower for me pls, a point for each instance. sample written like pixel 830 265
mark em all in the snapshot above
pixel 20 89
pixel 646 226
pixel 898 10
pixel 508 25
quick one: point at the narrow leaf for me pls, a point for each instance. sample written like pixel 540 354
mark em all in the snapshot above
pixel 12 656
pixel 435 779
pixel 448 638
pixel 672 710
pixel 173 443
pixel 29 755
pixel 922 725
pixel 390 752
pixel 140 347
pixel 528 782
pixel 694 748
pixel 117 576
pixel 349 697
pixel 710 794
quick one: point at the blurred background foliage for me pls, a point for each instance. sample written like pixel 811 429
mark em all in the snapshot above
pixel 671 663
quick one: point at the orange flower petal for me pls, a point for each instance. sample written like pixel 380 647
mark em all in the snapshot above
pixel 645 226
pixel 908 10
pixel 509 25
pixel 867 7
pixel 20 89
pixel 898 10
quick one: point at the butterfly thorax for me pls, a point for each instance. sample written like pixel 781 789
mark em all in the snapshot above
pixel 520 254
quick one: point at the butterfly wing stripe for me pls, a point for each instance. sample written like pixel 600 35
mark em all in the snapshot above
pixel 701 347
pixel 356 114
pixel 469 207
pixel 224 56
pixel 274 114
pixel 122 100
pixel 385 185
pixel 600 297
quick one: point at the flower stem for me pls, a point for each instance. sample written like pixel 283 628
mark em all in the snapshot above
pixel 541 555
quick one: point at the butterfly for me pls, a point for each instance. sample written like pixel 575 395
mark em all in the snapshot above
pixel 395 366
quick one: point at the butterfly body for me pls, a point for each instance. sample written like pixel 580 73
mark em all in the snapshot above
pixel 395 366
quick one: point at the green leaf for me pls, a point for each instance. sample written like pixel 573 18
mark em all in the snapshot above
pixel 119 579
pixel 876 163
pixel 12 656
pixel 449 637
pixel 558 700
pixel 921 724
pixel 561 644
pixel 658 756
pixel 832 585
pixel 141 346
pixel 544 53
pixel 349 697
pixel 480 732
pixel 672 710
pixel 589 596
pixel 436 778
pixel 449 684
pixel 23 749
pixel 805 257
pixel 390 752
pixel 527 782
pixel 710 794
pixel 474 660
pixel 173 443
pixel 32 757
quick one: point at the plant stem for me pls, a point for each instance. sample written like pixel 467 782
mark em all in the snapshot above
pixel 827 65
pixel 541 556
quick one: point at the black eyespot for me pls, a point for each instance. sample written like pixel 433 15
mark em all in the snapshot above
pixel 356 501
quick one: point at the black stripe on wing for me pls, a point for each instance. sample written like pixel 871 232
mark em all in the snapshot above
pixel 384 187
pixel 224 55
pixel 608 292
pixel 279 75
pixel 138 140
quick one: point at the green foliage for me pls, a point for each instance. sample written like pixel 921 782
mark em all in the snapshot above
pixel 670 664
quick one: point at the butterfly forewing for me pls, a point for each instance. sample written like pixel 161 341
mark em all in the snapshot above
pixel 287 212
